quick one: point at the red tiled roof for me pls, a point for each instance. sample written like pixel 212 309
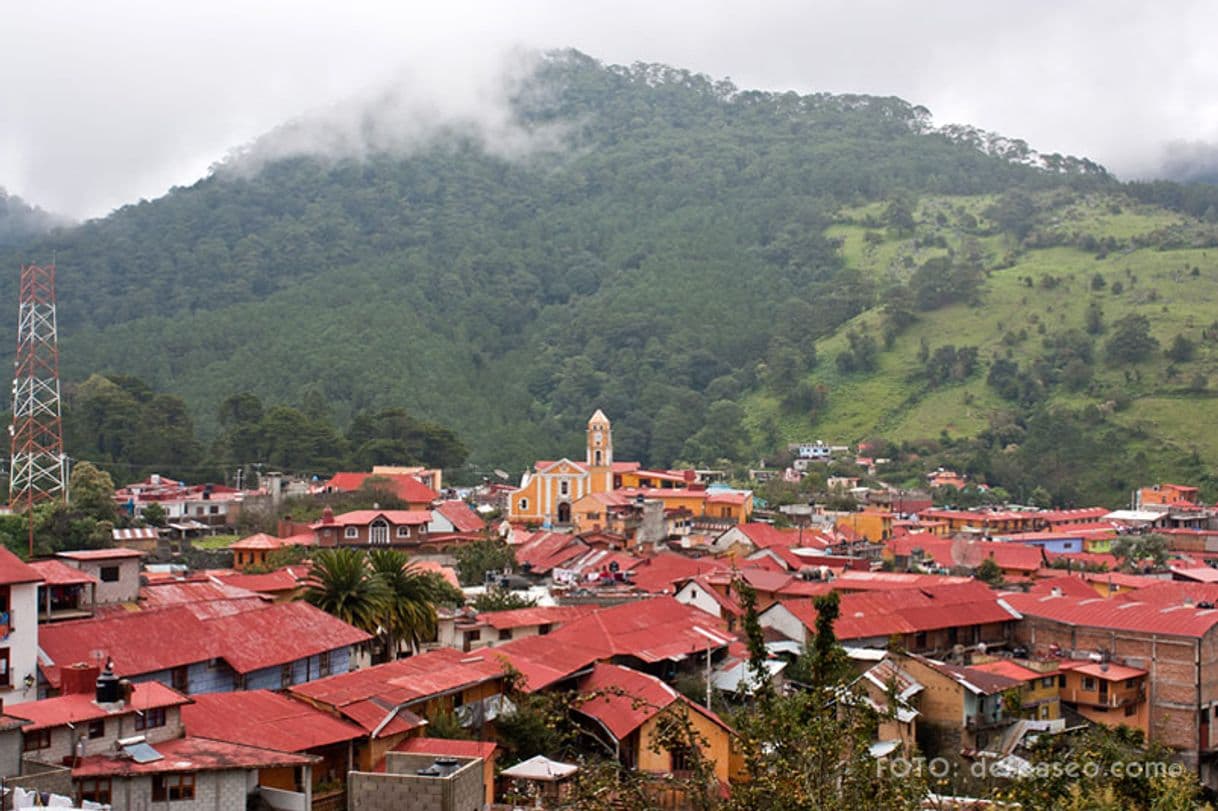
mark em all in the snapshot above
pixel 401 682
pixel 151 641
pixel 266 719
pixel 58 573
pixel 259 541
pixel 189 754
pixel 406 487
pixel 78 707
pixel 14 570
pixel 622 700
pixel 1121 615
pixel 362 518
pixel 461 516
pixel 101 554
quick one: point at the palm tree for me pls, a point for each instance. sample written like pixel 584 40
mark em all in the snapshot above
pixel 342 583
pixel 413 595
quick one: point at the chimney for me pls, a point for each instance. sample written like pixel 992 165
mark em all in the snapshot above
pixel 79 678
pixel 327 515
pixel 108 691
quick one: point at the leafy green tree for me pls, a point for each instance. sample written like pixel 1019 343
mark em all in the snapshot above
pixel 412 597
pixel 1134 550
pixel 1130 340
pixel 92 492
pixel 154 515
pixel 989 572
pixel 474 560
pixel 341 583
pixel 1181 350
pixel 502 600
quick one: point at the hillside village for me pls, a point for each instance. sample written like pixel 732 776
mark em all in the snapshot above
pixel 611 597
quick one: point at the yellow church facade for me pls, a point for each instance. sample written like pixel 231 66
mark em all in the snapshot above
pixel 547 493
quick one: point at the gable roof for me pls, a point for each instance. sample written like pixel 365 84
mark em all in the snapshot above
pixel 57 573
pixel 76 708
pixel 651 630
pixel 189 754
pixel 362 518
pixel 661 572
pixel 14 570
pixel 978 682
pixel 369 696
pixel 266 719
pixel 1122 615
pixel 101 554
pixel 248 637
pixel 621 700
pixel 461 516
pixel 545 550
pixel 543 661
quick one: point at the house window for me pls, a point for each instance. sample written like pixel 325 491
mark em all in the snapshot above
pixel 150 719
pixel 920 640
pixel 473 636
pixel 1130 709
pixel 285 675
pixel 543 629
pixel 97 729
pixel 238 681
pixel 37 740
pixel 180 679
pixel 524 505
pixel 6 676
pixel 1044 712
pixel 506 633
pixel 96 789
pixel 213 509
pixel 403 532
pixel 351 532
pixel 1131 683
pixel 1061 680
pixel 1047 681
pixel 323 663
pixel 1088 683
pixel 171 787
pixel 108 574
pixel 564 487
pixel 682 758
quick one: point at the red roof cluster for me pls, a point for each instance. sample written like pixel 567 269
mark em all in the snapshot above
pixel 621 700
pixel 1119 615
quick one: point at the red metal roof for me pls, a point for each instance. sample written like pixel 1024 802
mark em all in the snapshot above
pixel 543 661
pixel 1122 615
pixel 1171 592
pixel 866 615
pixel 400 682
pixel 1108 671
pixel 150 641
pixel 266 719
pixel 190 754
pixel 1010 669
pixel 537 615
pixel 622 700
pixel 406 487
pixel 949 552
pixel 58 573
pixel 461 516
pixel 276 582
pixel 101 554
pixel 171 593
pixel 79 707
pixel 447 747
pixel 651 630
pixel 545 550
pixel 14 570
pixel 658 574
pixel 362 518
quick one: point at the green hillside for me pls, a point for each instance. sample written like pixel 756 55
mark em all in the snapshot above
pixel 1031 308
pixel 687 256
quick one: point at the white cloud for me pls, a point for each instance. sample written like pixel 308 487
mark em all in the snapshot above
pixel 104 103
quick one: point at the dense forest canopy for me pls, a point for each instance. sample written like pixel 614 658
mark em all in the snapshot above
pixel 666 258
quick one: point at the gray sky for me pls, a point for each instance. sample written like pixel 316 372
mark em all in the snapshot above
pixel 104 103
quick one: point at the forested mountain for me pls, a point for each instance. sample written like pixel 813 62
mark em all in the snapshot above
pixel 21 222
pixel 670 257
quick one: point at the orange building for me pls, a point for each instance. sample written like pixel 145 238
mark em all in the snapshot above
pixel 546 494
pixel 1167 494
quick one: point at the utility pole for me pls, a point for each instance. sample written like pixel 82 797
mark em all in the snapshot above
pixel 38 469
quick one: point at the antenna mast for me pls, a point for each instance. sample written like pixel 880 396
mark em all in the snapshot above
pixel 38 469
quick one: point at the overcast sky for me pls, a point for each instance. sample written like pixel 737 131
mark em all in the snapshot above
pixel 104 103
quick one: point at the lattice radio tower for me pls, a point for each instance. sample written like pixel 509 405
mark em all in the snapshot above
pixel 38 469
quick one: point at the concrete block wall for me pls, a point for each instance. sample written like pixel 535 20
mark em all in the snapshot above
pixel 399 788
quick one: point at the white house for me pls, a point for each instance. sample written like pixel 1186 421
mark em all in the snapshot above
pixel 18 629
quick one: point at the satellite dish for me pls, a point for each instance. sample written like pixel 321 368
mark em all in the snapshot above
pixel 501 474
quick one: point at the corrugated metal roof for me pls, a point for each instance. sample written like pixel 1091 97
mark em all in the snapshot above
pixel 190 754
pixel 1126 615
pixel 266 719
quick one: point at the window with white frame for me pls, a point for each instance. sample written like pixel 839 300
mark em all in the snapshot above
pixel 524 505
pixel 403 532
pixel 351 532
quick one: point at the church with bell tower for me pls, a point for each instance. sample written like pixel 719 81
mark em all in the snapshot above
pixel 547 492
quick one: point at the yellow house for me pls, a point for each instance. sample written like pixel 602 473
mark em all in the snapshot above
pixel 1039 699
pixel 871 524
pixel 629 711
pixel 548 493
